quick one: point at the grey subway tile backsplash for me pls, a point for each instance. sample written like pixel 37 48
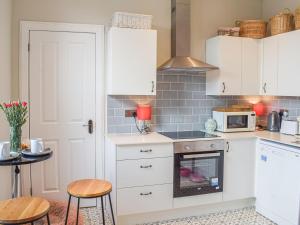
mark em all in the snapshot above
pixel 181 104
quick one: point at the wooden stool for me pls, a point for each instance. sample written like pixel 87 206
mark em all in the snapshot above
pixel 23 210
pixel 90 188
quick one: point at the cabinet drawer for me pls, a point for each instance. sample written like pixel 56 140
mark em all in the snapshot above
pixel 142 172
pixel 144 199
pixel 144 151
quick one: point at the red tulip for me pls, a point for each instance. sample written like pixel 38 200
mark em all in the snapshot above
pixel 16 103
pixel 24 104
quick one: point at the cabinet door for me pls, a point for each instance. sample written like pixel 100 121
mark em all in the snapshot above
pixel 239 168
pixel 285 189
pixel 231 65
pixel 131 61
pixel 270 59
pixel 251 63
pixel 262 181
pixel 289 64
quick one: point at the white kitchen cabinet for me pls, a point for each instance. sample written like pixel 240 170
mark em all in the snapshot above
pixel 141 175
pixel 251 66
pixel 144 172
pixel 225 53
pixel 278 186
pixel 131 61
pixel 269 66
pixel 144 199
pixel 289 64
pixel 239 167
pixel 239 65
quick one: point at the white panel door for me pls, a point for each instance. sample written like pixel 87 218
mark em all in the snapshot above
pixel 288 64
pixel 62 100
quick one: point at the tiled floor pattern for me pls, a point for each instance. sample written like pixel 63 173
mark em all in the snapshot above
pixel 245 216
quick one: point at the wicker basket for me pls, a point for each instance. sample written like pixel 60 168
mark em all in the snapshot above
pixel 253 28
pixel 297 19
pixel 282 22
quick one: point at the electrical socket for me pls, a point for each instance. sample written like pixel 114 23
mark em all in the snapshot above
pixel 129 112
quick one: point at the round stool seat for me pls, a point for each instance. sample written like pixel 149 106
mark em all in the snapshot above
pixel 89 188
pixel 23 210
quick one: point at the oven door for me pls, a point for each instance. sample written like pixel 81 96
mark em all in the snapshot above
pixel 198 173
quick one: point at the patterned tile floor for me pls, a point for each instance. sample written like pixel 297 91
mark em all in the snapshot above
pixel 245 216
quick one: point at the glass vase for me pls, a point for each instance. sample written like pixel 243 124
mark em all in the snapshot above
pixel 15 138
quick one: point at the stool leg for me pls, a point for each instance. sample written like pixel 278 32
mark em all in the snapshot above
pixel 68 209
pixel 111 208
pixel 48 219
pixel 103 215
pixel 77 211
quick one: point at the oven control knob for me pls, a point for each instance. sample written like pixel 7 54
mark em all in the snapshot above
pixel 212 145
pixel 187 147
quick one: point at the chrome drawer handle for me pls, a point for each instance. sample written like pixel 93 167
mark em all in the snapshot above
pixel 148 193
pixel 224 87
pixel 144 151
pixel 264 88
pixel 152 88
pixel 145 167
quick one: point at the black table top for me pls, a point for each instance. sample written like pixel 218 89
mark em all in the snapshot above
pixel 23 160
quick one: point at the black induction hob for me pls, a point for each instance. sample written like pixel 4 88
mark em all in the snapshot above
pixel 188 135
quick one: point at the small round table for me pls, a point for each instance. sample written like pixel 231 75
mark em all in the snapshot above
pixel 22 160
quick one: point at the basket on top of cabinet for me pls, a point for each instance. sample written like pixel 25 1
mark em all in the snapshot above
pixel 282 22
pixel 253 28
pixel 297 18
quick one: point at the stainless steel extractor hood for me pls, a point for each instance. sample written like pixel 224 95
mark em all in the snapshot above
pixel 181 41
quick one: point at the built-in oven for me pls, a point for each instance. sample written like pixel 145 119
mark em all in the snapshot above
pixel 198 167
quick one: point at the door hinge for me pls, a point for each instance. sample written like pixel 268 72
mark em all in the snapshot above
pixel 28 47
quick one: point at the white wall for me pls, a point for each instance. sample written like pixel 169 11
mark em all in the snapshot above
pixel 5 76
pixel 272 7
pixel 207 16
pixel 92 12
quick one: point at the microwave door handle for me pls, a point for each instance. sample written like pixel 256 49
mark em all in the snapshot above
pixel 205 155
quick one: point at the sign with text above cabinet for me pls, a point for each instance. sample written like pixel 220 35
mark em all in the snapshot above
pixel 131 61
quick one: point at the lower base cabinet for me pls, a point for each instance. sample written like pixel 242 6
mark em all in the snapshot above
pixel 239 169
pixel 144 199
pixel 278 183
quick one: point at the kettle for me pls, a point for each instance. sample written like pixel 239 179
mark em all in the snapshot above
pixel 273 122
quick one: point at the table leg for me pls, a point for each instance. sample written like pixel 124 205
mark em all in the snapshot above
pixel 16 185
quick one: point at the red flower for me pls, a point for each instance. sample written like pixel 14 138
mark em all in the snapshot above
pixel 16 103
pixel 24 104
pixel 8 105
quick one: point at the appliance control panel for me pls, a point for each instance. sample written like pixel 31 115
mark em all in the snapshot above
pixel 199 146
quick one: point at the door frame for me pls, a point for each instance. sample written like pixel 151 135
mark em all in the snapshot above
pixel 98 30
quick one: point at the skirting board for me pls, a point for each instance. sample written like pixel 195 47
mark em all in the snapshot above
pixel 184 212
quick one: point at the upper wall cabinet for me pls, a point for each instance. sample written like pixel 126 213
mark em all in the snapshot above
pixel 269 66
pixel 289 64
pixel 131 61
pixel 239 65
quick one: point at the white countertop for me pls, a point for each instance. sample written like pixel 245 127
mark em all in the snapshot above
pixel 136 138
pixel 156 138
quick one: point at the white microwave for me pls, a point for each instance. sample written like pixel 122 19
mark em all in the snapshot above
pixel 235 121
